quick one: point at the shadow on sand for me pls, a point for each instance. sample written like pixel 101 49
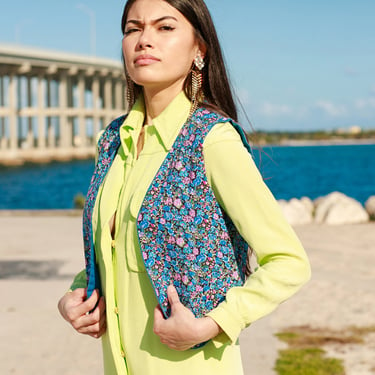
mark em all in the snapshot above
pixel 32 270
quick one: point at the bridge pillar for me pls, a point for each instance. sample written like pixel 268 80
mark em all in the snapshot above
pixel 41 115
pixel 81 107
pixel 13 125
pixel 65 127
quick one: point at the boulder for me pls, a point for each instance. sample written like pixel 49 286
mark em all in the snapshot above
pixel 309 204
pixel 337 208
pixel 296 212
pixel 370 207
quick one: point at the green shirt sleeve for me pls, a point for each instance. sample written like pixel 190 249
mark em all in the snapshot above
pixel 242 193
pixel 79 281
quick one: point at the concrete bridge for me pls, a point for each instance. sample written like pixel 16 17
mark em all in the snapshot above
pixel 52 104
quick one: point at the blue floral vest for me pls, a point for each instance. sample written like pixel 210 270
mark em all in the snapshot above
pixel 185 236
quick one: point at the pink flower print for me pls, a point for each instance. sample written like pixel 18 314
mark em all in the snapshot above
pixel 186 180
pixel 190 257
pixel 235 274
pixel 216 216
pixel 180 242
pixel 192 175
pixel 185 279
pixel 162 221
pixel 186 219
pixel 192 213
pixel 168 201
pixel 177 203
pixel 171 240
pixel 219 254
pixel 178 166
pixel 195 251
pixel 145 256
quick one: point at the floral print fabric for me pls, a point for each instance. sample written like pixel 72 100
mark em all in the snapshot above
pixel 108 145
pixel 185 237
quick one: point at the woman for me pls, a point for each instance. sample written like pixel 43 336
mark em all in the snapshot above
pixel 173 202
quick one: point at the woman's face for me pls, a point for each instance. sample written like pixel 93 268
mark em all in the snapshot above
pixel 159 45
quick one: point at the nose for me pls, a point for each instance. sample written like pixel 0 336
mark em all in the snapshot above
pixel 145 39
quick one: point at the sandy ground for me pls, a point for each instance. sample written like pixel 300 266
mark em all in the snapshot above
pixel 40 254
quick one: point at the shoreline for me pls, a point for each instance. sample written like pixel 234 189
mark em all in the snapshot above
pixel 323 142
pixel 26 157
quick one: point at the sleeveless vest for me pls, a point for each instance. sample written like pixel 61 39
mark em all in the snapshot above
pixel 185 237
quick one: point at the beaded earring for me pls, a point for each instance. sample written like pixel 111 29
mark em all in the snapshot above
pixel 196 83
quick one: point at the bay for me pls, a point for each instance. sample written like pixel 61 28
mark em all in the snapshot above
pixel 289 172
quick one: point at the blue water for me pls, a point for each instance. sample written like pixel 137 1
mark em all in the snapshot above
pixel 288 171
pixel 315 171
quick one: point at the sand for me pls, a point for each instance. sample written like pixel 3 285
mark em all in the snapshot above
pixel 39 255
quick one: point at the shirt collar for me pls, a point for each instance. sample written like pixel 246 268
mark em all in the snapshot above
pixel 132 125
pixel 169 123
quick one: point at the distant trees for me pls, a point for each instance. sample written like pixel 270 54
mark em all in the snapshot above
pixel 280 137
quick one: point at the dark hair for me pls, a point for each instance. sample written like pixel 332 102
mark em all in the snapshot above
pixel 216 88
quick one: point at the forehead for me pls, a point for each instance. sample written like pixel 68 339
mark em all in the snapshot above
pixel 153 9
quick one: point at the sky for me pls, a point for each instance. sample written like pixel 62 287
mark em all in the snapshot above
pixel 295 65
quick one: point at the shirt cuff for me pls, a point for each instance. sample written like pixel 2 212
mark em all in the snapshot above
pixel 228 323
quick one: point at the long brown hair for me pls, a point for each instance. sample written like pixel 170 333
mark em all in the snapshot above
pixel 216 88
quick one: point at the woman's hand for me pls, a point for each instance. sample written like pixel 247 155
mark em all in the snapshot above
pixel 76 309
pixel 182 330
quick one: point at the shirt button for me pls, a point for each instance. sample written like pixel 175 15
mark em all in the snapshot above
pixel 122 354
pixel 113 244
pixel 116 310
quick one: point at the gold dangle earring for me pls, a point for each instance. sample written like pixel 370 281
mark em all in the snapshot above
pixel 129 91
pixel 196 83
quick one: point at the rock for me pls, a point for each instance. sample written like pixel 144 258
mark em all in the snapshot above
pixel 336 208
pixel 308 203
pixel 370 207
pixel 296 212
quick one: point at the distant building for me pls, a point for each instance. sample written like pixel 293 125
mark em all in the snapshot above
pixel 353 130
pixel 52 104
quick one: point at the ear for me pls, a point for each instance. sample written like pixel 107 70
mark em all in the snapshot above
pixel 202 49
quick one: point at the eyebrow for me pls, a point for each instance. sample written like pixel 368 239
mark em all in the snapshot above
pixel 137 22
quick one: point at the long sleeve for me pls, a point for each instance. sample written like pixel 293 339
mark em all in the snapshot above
pixel 283 264
pixel 79 281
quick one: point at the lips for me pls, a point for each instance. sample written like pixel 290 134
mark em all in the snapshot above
pixel 143 60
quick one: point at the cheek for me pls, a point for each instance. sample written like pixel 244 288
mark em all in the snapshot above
pixel 182 53
pixel 126 52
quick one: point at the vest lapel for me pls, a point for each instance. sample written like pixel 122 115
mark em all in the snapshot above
pixel 108 145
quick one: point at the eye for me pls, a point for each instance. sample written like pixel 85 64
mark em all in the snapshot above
pixel 131 30
pixel 166 28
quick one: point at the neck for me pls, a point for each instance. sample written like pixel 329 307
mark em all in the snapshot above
pixel 156 100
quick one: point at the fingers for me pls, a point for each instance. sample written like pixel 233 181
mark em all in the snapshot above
pixel 94 323
pixel 173 296
pixel 86 316
pixel 89 304
pixel 158 320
